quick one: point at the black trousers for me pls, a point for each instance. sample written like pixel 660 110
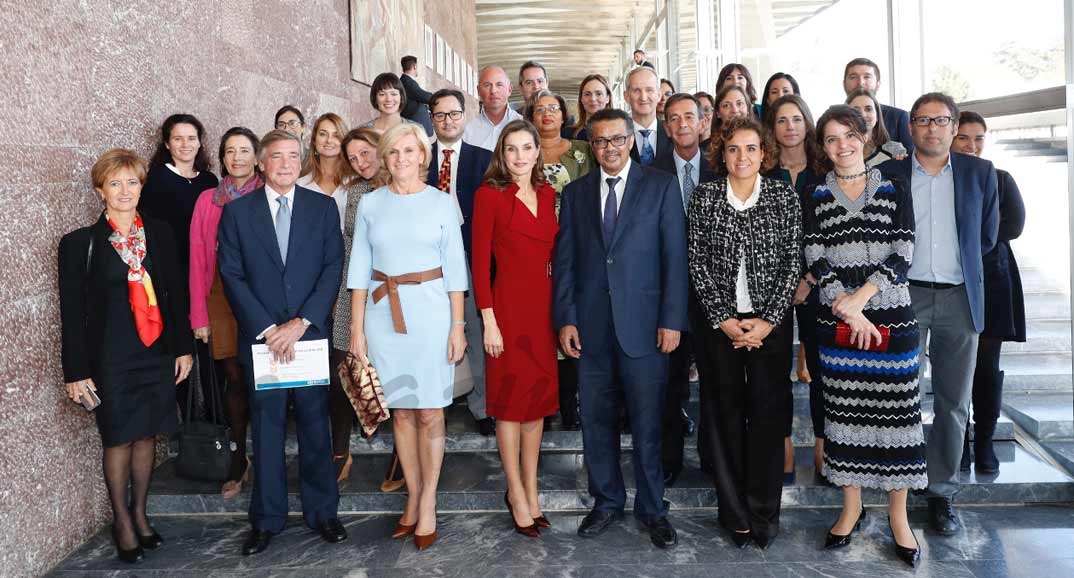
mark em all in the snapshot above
pixel 691 348
pixel 987 387
pixel 747 414
pixel 568 390
pixel 807 336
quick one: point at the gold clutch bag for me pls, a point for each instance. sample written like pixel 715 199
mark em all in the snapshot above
pixel 362 386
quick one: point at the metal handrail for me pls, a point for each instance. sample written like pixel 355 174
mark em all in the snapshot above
pixel 1042 100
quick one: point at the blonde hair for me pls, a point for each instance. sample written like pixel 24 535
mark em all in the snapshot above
pixel 114 160
pixel 392 136
pixel 313 160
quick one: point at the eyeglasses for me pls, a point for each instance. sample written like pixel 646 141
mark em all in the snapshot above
pixel 668 94
pixel 453 115
pixel 924 121
pixel 285 124
pixel 550 109
pixel 616 141
pixel 706 110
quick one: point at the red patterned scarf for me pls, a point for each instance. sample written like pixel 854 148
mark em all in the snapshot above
pixel 142 297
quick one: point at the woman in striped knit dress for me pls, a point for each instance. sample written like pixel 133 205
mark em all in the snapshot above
pixel 859 237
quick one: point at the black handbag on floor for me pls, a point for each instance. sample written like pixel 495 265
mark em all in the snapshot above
pixel 204 446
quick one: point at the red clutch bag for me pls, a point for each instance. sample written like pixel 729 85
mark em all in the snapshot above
pixel 842 338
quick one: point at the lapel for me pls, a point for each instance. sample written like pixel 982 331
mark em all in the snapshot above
pixel 960 180
pixel 261 223
pixel 302 217
pixel 631 192
pixel 589 202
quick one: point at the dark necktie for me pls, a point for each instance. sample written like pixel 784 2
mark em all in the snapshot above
pixel 611 211
pixel 687 184
pixel 647 153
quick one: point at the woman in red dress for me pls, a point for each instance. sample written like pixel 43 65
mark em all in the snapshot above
pixel 515 224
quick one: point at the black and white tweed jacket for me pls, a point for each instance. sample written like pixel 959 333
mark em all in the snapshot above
pixel 769 234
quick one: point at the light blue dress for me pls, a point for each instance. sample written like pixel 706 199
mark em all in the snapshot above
pixel 399 234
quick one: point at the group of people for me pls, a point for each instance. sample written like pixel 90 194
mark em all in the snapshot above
pixel 583 266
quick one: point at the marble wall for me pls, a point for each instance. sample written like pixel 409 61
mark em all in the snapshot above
pixel 83 76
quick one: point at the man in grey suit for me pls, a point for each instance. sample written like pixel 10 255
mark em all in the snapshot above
pixel 956 209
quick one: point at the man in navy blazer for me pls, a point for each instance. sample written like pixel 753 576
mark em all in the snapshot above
pixel 864 73
pixel 620 296
pixel 956 208
pixel 281 262
pixel 417 98
pixel 682 121
pixel 458 168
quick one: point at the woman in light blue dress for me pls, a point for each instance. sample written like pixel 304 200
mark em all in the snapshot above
pixel 407 274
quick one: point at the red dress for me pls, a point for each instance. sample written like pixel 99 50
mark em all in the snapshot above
pixel 523 383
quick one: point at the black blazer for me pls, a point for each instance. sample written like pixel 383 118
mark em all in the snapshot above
pixel 82 326
pixel 416 107
pixel 1005 310
pixel 666 163
pixel 663 145
pixel 473 162
pixel 897 121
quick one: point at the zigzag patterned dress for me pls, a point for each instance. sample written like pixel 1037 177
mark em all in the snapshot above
pixel 872 400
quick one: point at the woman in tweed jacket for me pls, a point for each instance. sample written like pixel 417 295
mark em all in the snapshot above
pixel 744 238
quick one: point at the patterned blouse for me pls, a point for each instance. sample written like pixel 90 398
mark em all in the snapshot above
pixel 341 315
pixel 843 252
pixel 768 234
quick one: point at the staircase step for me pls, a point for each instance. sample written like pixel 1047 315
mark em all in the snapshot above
pixel 1014 383
pixel 1043 416
pixel 473 482
pixel 1047 305
pixel 1062 451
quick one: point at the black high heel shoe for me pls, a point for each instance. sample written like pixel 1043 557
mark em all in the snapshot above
pixel 909 555
pixel 129 556
pixel 530 531
pixel 834 541
pixel 152 541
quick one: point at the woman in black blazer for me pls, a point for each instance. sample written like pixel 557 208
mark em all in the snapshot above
pixel 125 335
pixel 1005 310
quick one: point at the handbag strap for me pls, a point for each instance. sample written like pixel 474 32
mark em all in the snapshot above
pixel 213 394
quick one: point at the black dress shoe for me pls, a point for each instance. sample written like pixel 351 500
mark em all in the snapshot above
pixel 332 530
pixel 688 424
pixel 129 556
pixel 670 477
pixel 984 456
pixel 763 542
pixel 942 517
pixel 741 539
pixel 256 542
pixel 596 522
pixel 909 555
pixel 833 541
pixel 662 533
pixel 486 427
pixel 151 542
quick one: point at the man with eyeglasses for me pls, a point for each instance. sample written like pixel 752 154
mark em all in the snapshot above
pixel 417 98
pixel 458 169
pixel 864 73
pixel 956 209
pixel 620 297
pixel 493 89
pixel 643 94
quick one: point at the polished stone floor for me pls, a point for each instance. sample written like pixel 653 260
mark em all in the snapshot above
pixel 998 542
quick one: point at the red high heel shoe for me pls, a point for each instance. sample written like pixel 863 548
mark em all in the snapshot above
pixel 530 531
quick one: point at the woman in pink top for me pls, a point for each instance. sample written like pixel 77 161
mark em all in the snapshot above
pixel 210 314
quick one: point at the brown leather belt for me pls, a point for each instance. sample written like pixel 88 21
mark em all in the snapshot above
pixel 390 287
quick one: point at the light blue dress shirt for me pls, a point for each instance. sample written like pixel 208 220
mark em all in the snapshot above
pixel 937 258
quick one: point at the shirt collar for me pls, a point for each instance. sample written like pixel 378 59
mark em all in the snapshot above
pixel 750 200
pixel 638 126
pixel 695 161
pixel 917 168
pixel 272 194
pixel 623 174
pixel 510 115
pixel 441 146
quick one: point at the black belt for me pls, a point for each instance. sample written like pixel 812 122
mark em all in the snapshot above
pixel 932 285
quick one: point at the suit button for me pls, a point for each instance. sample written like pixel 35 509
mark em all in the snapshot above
pixel 610 260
